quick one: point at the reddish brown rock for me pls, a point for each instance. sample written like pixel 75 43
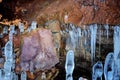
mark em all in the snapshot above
pixel 38 51
pixel 78 11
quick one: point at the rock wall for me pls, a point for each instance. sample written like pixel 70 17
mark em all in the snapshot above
pixel 74 11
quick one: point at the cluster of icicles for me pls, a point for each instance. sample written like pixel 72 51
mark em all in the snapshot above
pixel 111 68
pixel 73 41
pixel 7 72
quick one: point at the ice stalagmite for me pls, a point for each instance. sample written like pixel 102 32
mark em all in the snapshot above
pixel 69 65
pixel 8 50
pixel 93 30
pixel 97 71
pixel 109 66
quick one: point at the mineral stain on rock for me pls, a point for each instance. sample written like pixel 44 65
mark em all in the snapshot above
pixel 38 51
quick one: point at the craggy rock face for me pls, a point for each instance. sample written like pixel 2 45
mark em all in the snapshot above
pixel 38 51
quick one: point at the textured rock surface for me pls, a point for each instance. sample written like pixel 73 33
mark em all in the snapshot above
pixel 38 51
pixel 75 11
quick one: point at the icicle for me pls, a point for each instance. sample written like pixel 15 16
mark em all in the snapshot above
pixel 79 37
pixel 12 29
pixel 1 35
pixel 23 76
pixel 107 30
pixel 97 71
pixel 5 30
pixel 33 25
pixel 116 41
pixel 8 51
pixel 69 65
pixel 117 52
pixel 93 30
pixel 109 66
pixel 21 27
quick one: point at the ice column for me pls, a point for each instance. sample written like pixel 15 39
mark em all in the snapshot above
pixel 69 65
pixel 97 71
pixel 93 30
pixel 8 60
pixel 109 66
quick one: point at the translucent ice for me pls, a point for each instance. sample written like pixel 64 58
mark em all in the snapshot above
pixel 116 41
pixel 93 30
pixel 5 30
pixel 23 75
pixel 21 27
pixel 97 71
pixel 8 50
pixel 107 30
pixel 109 66
pixel 12 28
pixel 69 64
pixel 7 67
pixel 33 25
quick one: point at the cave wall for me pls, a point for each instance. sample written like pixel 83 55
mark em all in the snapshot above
pixel 75 11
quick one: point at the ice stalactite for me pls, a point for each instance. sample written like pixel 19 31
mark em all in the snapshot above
pixel 21 27
pixel 79 37
pixel 93 30
pixel 12 31
pixel 69 65
pixel 71 40
pixel 99 37
pixel 33 25
pixel 107 30
pixel 5 30
pixel 97 71
pixel 117 52
pixel 109 66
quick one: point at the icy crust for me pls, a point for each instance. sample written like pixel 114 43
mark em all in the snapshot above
pixel 38 51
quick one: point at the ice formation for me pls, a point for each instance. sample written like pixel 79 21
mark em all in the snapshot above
pixel 21 27
pixel 109 66
pixel 97 71
pixel 5 30
pixel 93 30
pixel 33 25
pixel 107 30
pixel 117 52
pixel 69 65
